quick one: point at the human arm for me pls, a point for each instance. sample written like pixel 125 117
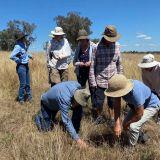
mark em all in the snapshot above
pixel 137 114
pixel 117 113
pixel 16 53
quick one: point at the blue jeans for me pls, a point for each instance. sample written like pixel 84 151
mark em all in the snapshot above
pixel 45 118
pixel 24 78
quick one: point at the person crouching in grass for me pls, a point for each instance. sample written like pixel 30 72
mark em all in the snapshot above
pixel 62 97
pixel 143 104
pixel 21 57
pixel 151 75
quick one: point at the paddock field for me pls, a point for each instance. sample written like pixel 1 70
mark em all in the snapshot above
pixel 20 140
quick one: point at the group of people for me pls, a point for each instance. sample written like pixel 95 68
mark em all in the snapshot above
pixel 101 66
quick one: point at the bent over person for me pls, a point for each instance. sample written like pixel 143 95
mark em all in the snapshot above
pixel 151 75
pixel 58 52
pixel 143 104
pixel 62 97
pixel 21 57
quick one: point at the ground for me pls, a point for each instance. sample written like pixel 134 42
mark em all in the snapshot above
pixel 20 139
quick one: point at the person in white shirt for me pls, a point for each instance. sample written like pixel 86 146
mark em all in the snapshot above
pixel 58 51
pixel 151 75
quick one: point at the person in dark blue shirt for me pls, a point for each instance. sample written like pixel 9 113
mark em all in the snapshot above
pixel 21 57
pixel 62 97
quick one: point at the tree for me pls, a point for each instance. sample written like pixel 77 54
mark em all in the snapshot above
pixel 7 36
pixel 71 24
pixel 95 40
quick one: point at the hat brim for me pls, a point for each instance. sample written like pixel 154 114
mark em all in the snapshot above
pixel 148 65
pixel 82 37
pixel 57 34
pixel 22 37
pixel 51 35
pixel 112 39
pixel 120 93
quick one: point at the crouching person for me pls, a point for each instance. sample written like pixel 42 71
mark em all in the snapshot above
pixel 143 104
pixel 62 97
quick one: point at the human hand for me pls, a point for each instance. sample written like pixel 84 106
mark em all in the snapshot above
pixel 81 143
pixel 82 64
pixel 125 126
pixel 87 64
pixel 117 129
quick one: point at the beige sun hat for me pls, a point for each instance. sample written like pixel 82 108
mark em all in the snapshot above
pixel 148 61
pixel 58 31
pixel 82 34
pixel 81 96
pixel 110 34
pixel 118 86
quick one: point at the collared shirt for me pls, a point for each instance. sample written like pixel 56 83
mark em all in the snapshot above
pixel 19 54
pixel 141 95
pixel 59 97
pixel 58 53
pixel 107 62
pixel 152 79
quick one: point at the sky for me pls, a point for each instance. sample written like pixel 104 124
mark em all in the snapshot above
pixel 138 21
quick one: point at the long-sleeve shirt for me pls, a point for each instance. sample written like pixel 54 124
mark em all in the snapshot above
pixel 59 97
pixel 107 62
pixel 152 79
pixel 19 54
pixel 58 53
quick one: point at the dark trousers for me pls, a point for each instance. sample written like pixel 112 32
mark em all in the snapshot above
pixel 46 117
pixel 83 75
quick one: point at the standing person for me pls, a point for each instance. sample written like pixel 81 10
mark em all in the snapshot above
pixel 21 57
pixel 107 62
pixel 58 52
pixel 83 56
pixel 151 75
pixel 62 97
pixel 143 104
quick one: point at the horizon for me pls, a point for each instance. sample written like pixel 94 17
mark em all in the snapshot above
pixel 135 20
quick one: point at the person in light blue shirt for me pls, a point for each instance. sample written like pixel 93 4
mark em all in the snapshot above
pixel 143 103
pixel 62 97
pixel 21 57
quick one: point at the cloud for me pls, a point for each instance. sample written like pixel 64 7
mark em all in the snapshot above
pixel 137 44
pixel 152 45
pixel 143 36
pixel 124 45
pixel 147 38
pixel 140 35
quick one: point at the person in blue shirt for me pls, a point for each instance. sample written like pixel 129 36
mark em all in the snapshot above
pixel 62 97
pixel 143 103
pixel 21 57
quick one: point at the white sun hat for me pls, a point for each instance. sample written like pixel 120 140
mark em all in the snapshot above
pixel 148 61
pixel 58 31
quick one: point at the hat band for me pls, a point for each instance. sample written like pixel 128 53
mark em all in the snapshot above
pixel 111 34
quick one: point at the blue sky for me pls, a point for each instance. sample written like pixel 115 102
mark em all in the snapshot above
pixel 136 20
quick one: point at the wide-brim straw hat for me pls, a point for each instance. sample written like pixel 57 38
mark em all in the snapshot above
pixel 110 34
pixel 81 96
pixel 118 86
pixel 58 31
pixel 82 34
pixel 148 61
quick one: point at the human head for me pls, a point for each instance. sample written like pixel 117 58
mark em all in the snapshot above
pixel 57 33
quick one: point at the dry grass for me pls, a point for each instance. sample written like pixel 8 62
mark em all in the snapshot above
pixel 20 140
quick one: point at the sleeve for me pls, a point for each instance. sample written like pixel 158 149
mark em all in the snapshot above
pixel 15 55
pixel 68 123
pixel 138 99
pixel 48 52
pixel 75 60
pixel 119 61
pixel 92 78
pixel 64 52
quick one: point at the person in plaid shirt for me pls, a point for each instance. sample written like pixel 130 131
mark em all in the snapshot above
pixel 106 63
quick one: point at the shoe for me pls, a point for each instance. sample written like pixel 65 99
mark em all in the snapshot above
pixel 21 102
pixel 143 137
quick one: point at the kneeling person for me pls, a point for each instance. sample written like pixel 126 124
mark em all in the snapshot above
pixel 62 97
pixel 143 104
